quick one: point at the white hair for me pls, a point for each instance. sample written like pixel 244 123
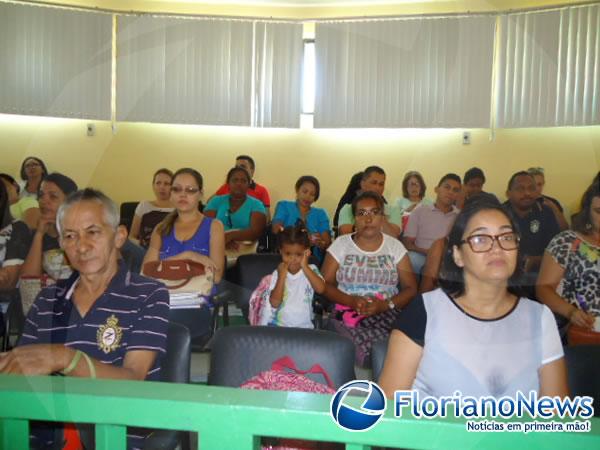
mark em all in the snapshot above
pixel 111 212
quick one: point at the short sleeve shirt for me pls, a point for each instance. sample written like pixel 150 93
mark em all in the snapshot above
pixel 23 192
pixel 392 212
pixel 132 314
pixel 288 214
pixel 150 216
pixel 428 224
pixel 478 357
pixel 581 263
pixel 238 220
pixel 296 308
pixel 537 229
pixel 54 261
pixel 367 273
pixel 255 190
pixel 403 204
pixel 15 240
pixel 21 206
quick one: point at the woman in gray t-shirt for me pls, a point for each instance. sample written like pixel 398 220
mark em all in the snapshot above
pixel 476 334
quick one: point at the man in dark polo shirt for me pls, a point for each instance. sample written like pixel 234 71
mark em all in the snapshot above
pixel 536 222
pixel 550 202
pixel 103 321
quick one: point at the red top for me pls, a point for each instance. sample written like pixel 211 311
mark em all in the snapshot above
pixel 255 190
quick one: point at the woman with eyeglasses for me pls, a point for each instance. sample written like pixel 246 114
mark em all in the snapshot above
pixel 368 276
pixel 148 214
pixel 33 171
pixel 476 334
pixel 413 192
pixel 242 216
pixel 186 233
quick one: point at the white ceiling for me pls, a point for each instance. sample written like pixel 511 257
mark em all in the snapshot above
pixel 311 3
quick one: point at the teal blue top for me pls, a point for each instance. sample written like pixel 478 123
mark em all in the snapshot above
pixel 238 220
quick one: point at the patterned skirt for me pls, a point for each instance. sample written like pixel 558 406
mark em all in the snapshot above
pixel 370 330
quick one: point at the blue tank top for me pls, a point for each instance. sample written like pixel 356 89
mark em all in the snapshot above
pixel 199 242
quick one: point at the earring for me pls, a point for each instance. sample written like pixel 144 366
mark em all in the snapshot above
pixel 588 226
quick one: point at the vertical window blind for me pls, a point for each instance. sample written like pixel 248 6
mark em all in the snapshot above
pixel 548 68
pixel 184 70
pixel 279 57
pixel 406 72
pixel 416 72
pixel 55 62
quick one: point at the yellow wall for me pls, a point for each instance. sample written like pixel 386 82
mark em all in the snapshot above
pixel 122 164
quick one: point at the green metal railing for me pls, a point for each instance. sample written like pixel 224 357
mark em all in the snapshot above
pixel 234 419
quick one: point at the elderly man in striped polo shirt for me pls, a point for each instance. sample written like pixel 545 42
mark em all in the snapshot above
pixel 104 321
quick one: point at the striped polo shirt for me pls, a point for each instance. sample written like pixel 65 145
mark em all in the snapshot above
pixel 132 314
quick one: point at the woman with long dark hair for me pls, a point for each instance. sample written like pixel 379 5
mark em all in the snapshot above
pixel 477 334
pixel 368 276
pixel 351 191
pixel 569 280
pixel 186 233
pixel 45 256
pixel 15 239
pixel 22 208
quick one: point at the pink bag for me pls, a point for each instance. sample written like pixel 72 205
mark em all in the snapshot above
pixel 259 300
pixel 351 318
pixel 285 376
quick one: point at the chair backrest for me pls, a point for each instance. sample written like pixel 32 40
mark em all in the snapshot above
pixel 14 320
pixel 251 268
pixel 378 353
pixel 176 363
pixel 127 212
pixel 133 256
pixel 239 353
pixel 583 366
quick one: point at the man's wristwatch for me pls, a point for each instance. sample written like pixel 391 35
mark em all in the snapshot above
pixel 391 303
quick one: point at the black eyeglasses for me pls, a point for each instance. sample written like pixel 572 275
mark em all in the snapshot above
pixel 229 222
pixel 481 243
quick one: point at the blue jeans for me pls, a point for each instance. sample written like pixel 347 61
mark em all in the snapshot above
pixel 417 261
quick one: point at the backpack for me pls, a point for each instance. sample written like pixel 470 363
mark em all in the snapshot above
pixel 259 300
pixel 285 376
